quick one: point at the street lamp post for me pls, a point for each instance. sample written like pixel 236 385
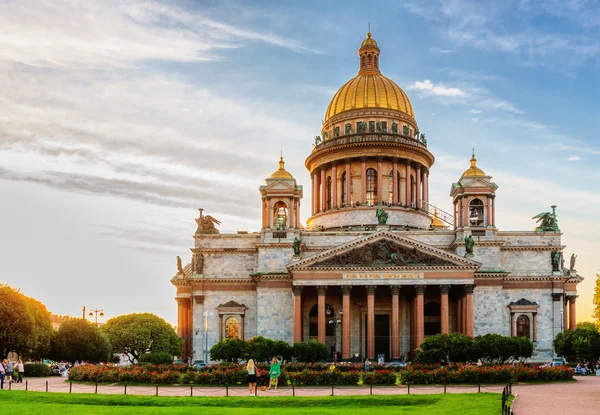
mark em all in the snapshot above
pixel 562 319
pixel 96 311
pixel 334 323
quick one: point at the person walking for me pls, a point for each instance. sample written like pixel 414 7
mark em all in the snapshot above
pixel 367 364
pixel 8 368
pixel 2 371
pixel 20 370
pixel 274 372
pixel 251 378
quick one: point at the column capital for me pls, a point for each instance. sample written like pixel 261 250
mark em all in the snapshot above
pixel 346 289
pixel 420 289
pixel 363 159
pixel 322 289
pixel 184 301
pixel 444 289
pixel 297 290
pixel 379 159
pixel 572 298
pixel 557 296
pixel 469 289
pixel 395 289
pixel 512 313
pixel 371 289
pixel 199 299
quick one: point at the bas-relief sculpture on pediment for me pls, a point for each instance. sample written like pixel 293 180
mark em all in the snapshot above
pixel 382 253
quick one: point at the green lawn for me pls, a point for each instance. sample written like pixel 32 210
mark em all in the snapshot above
pixel 64 404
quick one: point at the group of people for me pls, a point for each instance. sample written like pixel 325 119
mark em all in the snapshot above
pixel 586 369
pixel 254 371
pixel 11 372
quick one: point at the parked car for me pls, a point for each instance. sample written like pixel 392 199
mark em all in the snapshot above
pixel 395 364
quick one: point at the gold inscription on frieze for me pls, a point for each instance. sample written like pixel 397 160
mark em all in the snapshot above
pixel 384 276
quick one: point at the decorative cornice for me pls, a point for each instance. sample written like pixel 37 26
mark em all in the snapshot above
pixel 536 278
pixel 274 245
pixel 209 251
pixel 491 275
pixel 533 248
pixel 209 281
pixel 271 277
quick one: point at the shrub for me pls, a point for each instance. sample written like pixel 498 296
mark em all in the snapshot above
pixel 36 370
pixel 156 358
pixel 229 350
pixel 313 351
pixel 379 377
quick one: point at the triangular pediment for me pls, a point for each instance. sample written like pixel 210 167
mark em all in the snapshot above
pixel 384 249
pixel 279 184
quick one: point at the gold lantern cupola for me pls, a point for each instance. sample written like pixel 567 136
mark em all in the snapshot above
pixel 281 173
pixel 473 171
pixel 369 56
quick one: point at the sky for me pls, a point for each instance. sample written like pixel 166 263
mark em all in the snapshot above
pixel 119 119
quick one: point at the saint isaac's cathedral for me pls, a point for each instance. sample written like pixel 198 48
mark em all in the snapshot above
pixel 378 267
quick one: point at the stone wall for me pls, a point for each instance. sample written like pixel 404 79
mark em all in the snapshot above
pixel 275 313
pixel 229 265
pixel 361 216
pixel 527 263
pixel 274 259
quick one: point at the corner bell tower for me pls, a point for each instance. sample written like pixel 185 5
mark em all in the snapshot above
pixel 474 198
pixel 281 200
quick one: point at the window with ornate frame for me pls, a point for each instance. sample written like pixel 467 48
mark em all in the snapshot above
pixel 523 326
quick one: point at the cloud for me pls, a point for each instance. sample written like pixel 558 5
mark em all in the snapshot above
pixel 441 51
pixel 474 111
pixel 514 27
pixel 574 158
pixel 428 88
pixel 119 34
pixel 475 120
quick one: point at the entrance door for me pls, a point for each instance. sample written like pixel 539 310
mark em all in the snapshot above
pixel 382 335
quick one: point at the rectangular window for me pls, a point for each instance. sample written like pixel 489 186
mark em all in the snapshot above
pixel 371 126
pixel 384 126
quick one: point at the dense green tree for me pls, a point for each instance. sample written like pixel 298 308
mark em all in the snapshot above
pixel 78 339
pixel 282 350
pixel 578 345
pixel 313 351
pixel 229 350
pixel 139 333
pixel 260 349
pixel 596 301
pixel 453 347
pixel 26 324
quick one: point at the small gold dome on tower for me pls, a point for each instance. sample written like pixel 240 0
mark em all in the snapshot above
pixel 473 171
pixel 281 173
pixel 369 41
pixel 436 223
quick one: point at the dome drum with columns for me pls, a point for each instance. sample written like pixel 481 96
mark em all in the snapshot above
pixel 372 154
pixel 398 267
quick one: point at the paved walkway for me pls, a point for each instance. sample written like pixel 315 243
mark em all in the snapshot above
pixel 57 384
pixel 573 398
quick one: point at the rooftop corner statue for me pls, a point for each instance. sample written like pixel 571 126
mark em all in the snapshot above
pixel 548 221
pixel 206 223
pixel 399 265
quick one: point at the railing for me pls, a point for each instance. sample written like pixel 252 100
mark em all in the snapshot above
pixel 369 137
pixel 431 209
pixel 506 392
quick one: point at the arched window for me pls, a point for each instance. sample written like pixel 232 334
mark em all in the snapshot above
pixel 523 326
pixel 232 328
pixel 369 60
pixel 344 195
pixel 362 61
pixel 329 189
pixel 476 212
pixel 391 187
pixel 280 215
pixel 375 57
pixel 371 187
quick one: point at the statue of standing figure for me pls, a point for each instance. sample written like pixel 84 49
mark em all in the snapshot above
pixel 179 265
pixel 469 244
pixel 296 246
pixel 555 256
pixel 572 264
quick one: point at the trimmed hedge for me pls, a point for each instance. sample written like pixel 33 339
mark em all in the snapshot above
pixel 36 370
pixel 379 377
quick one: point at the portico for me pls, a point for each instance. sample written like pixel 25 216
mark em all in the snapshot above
pixel 393 291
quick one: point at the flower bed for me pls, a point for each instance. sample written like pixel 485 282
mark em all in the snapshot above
pixel 324 377
pixel 379 377
pixel 483 374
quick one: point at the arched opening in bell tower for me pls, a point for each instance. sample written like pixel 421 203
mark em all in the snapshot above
pixel 280 215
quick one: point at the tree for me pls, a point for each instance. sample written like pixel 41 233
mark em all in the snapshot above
pixel 313 351
pixel 78 339
pixel 26 324
pixel 229 350
pixel 260 349
pixel 139 333
pixel 453 347
pixel 580 344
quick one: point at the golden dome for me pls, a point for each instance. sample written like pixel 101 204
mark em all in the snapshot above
pixel 369 89
pixel 281 173
pixel 369 42
pixel 473 171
